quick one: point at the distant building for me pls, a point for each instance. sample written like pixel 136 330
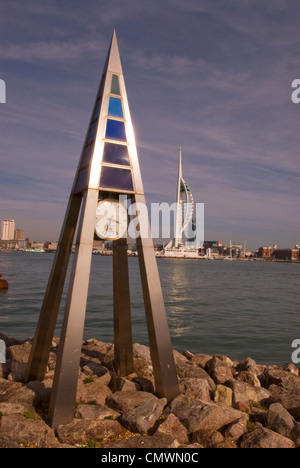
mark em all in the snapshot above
pixel 8 229
pixel 19 234
pixel 265 252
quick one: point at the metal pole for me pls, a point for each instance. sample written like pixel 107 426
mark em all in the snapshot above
pixel 37 363
pixel 122 312
pixel 63 395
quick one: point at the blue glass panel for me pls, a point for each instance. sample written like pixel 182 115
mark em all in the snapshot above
pixel 115 87
pixel 115 107
pixel 115 130
pixel 116 178
pixel 116 154
pixel 93 131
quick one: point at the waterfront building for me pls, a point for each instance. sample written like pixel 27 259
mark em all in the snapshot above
pixel 19 234
pixel 8 230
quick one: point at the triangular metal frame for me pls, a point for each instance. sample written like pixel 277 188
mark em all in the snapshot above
pixel 80 215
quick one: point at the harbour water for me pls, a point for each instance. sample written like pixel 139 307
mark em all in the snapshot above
pixel 238 309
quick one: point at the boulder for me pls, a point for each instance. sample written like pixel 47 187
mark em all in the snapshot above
pixel 15 392
pixel 280 420
pixel 250 377
pixel 236 429
pixel 82 431
pixel 95 368
pixel 92 391
pixel 219 370
pixel 248 394
pixel 143 417
pixel 29 431
pixel 289 397
pixel 195 372
pixel 196 415
pixel 212 439
pixel 201 360
pixel 261 437
pixel 195 388
pixel 143 442
pixel 118 383
pixel 125 401
pixel 95 412
pixel 223 395
pixel 172 427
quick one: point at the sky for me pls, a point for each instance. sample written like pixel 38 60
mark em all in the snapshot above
pixel 211 76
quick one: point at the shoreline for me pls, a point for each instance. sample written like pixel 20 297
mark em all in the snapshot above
pixel 222 404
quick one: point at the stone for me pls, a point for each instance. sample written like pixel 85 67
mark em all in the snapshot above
pixel 7 443
pixel 223 395
pixel 219 370
pixel 125 401
pixel 289 397
pixel 12 408
pixel 172 427
pixel 179 358
pixel 15 392
pixel 95 412
pixel 236 429
pixel 246 364
pixel 261 437
pixel 30 431
pixel 144 442
pixel 201 360
pixel 95 368
pixel 249 377
pixel 195 388
pixel 143 417
pixel 196 415
pixel 81 431
pixel 93 391
pixel 246 393
pixel 210 439
pixel 280 420
pixel 195 372
pixel 42 392
pixel 118 383
pixel 142 352
pixel 19 355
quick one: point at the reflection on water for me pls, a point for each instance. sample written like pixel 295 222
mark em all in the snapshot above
pixel 238 309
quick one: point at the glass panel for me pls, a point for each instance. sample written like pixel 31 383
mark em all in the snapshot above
pixel 115 88
pixel 93 131
pixel 115 107
pixel 87 155
pixel 116 154
pixel 115 130
pixel 116 178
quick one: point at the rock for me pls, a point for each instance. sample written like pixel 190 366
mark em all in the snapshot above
pixel 246 393
pixel 144 442
pixel 172 427
pixel 280 420
pixel 12 408
pixel 289 397
pixel 219 370
pixel 188 355
pixel 282 378
pixel 125 401
pixel 95 368
pixel 121 384
pixel 95 350
pixel 145 385
pixel 246 364
pixel 179 358
pixel 42 392
pixel 93 391
pixel 81 431
pixel 19 355
pixel 141 352
pixel 196 415
pixel 201 360
pixel 6 443
pixel 95 412
pixel 30 431
pixel 223 395
pixel 210 439
pixel 249 377
pixel 224 359
pixel 261 437
pixel 195 388
pixel 143 417
pixel 291 368
pixel 15 392
pixel 195 372
pixel 295 436
pixel 236 429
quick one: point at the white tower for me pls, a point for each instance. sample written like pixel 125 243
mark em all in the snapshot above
pixel 184 206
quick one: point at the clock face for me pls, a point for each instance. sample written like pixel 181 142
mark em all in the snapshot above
pixel 111 220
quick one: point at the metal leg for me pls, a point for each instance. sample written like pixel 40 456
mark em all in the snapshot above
pixel 165 375
pixel 122 313
pixel 38 359
pixel 63 396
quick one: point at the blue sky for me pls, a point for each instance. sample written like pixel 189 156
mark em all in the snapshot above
pixel 211 76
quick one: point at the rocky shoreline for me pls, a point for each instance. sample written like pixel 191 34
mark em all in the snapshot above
pixel 222 404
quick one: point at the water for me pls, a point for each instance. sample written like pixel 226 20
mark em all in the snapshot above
pixel 238 309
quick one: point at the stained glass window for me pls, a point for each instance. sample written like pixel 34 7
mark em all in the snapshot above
pixel 115 87
pixel 115 107
pixel 116 154
pixel 115 130
pixel 116 178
